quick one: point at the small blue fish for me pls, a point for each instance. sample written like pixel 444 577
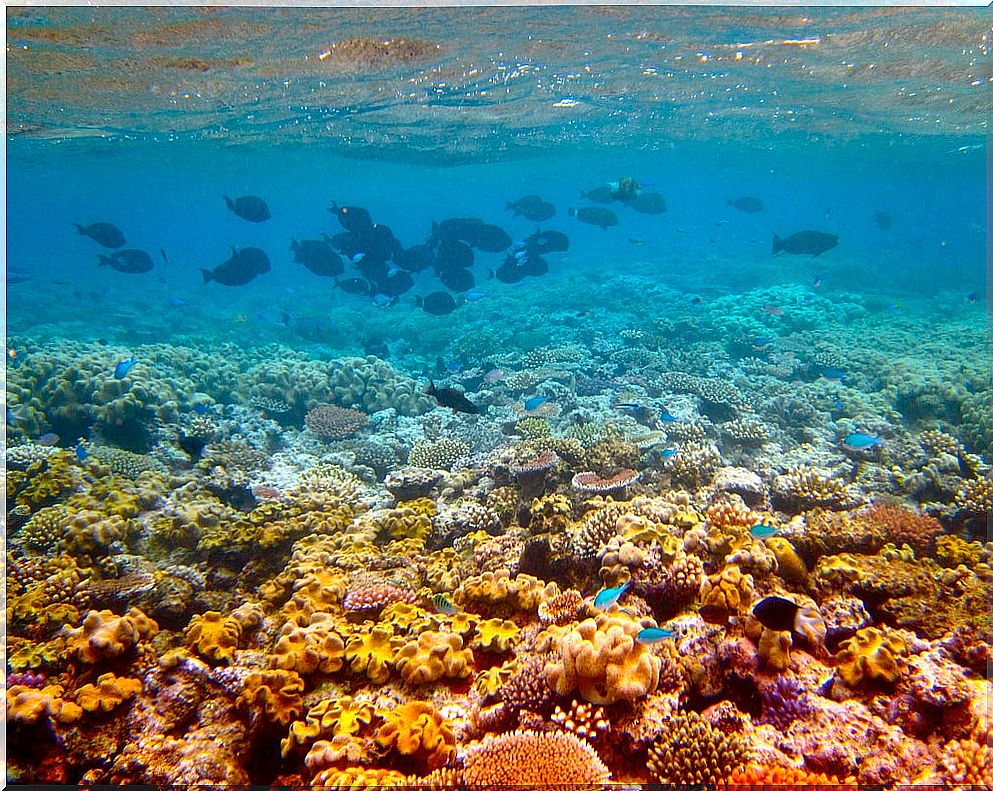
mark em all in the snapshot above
pixel 610 596
pixel 178 302
pixel 762 343
pixel 534 402
pixel 654 635
pixel 859 441
pixel 453 366
pixel 475 295
pixel 383 301
pixel 668 453
pixel 762 531
pixel 201 409
pixel 82 454
pixel 665 417
pixel 357 258
pixel 972 297
pixel 834 374
pixel 817 281
pixel 443 604
pixel 838 405
pixel 122 368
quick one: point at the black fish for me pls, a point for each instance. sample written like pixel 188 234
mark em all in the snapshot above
pixel 400 282
pixel 318 257
pixel 353 285
pixel 374 269
pixel 452 254
pixel 452 398
pixel 532 207
pixel 456 229
pixel 746 203
pixel 510 271
pixel 547 242
pixel 592 215
pixel 534 265
pixel 805 243
pixel 415 259
pixel 381 243
pixel 598 195
pixel 133 262
pixel 648 203
pixel 103 233
pixel 352 218
pixel 438 303
pixel 884 220
pixel 457 279
pixel 249 207
pixel 492 239
pixel 776 613
pixel 347 243
pixel 242 267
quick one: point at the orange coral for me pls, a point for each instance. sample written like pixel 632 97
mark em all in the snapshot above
pixel 108 693
pixel 213 636
pixel 537 761
pixel 783 778
pixel 311 647
pixel 967 763
pixel 103 635
pixel 417 729
pixel 905 527
pixel 372 652
pixel 432 656
pixel 496 634
pixel 358 777
pixel 28 705
pixel 279 692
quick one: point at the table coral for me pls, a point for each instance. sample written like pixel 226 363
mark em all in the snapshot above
pixel 602 658
pixel 433 655
pixel 871 654
pixel 538 761
pixel 691 750
pixel 103 635
pixel 416 730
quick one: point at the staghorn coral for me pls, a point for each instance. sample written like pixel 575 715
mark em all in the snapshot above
pixel 539 761
pixel 602 659
pixel 46 528
pixel 871 654
pixel 975 496
pixel 332 422
pixel 417 731
pixel 691 750
pixel 103 635
pixel 433 655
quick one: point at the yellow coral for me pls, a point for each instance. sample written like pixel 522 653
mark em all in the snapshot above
pixel 309 647
pixel 103 635
pixel 28 705
pixel 870 654
pixel 603 658
pixel 432 656
pixel 496 590
pixel 372 651
pixel 213 636
pixel 339 717
pixel 791 565
pixel 490 681
pixel 774 649
pixel 411 520
pixel 729 589
pixel 353 778
pixel 417 729
pixel 496 634
pixel 279 692
pixel 108 693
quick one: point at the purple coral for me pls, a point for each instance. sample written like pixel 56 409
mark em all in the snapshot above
pixel 26 679
pixel 783 701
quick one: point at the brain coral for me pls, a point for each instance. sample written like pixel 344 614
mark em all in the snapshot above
pixel 537 761
pixel 602 658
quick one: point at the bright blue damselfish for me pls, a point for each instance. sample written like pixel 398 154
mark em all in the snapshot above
pixel 763 530
pixel 859 441
pixel 610 596
pixel 654 635
pixel 122 368
pixel 534 402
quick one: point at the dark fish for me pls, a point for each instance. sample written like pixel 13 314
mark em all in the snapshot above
pixel 598 195
pixel 352 218
pixel 15 277
pixel 439 303
pixel 456 229
pixel 510 272
pixel 415 259
pixel 972 297
pixel 49 439
pixel 547 242
pixel 625 189
pixel 457 279
pixel 397 283
pixel 534 266
pixel 603 218
pixel 353 285
pixel 103 233
pixel 492 239
pixel 715 613
pixel 648 203
pixel 776 613
pixel 242 267
pixel 884 220
pixel 133 262
pixel 347 243
pixel 805 243
pixel 249 207
pixel 452 398
pixel 747 203
pixel 374 269
pixel 318 257
pixel 532 207
pixel 452 254
pixel 381 243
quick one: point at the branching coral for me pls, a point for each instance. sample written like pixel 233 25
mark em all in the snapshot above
pixel 539 761
pixel 691 750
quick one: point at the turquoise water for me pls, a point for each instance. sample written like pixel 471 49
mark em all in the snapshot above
pixel 841 400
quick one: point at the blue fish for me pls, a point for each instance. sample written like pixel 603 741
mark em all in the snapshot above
pixel 81 452
pixel 654 635
pixel 383 301
pixel 816 282
pixel 453 366
pixel 475 295
pixel 122 368
pixel 859 441
pixel 534 402
pixel 201 409
pixel 762 343
pixel 357 258
pixel 665 417
pixel 610 596
pixel 838 405
pixel 834 374
pixel 178 302
pixel 762 531
pixel 668 453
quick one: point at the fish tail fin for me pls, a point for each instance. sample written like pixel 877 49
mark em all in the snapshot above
pixel 420 303
pixel 572 212
pixel 229 202
pixel 80 229
pixel 430 391
pixel 777 243
pixel 207 275
pixel 103 260
pixel 294 245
